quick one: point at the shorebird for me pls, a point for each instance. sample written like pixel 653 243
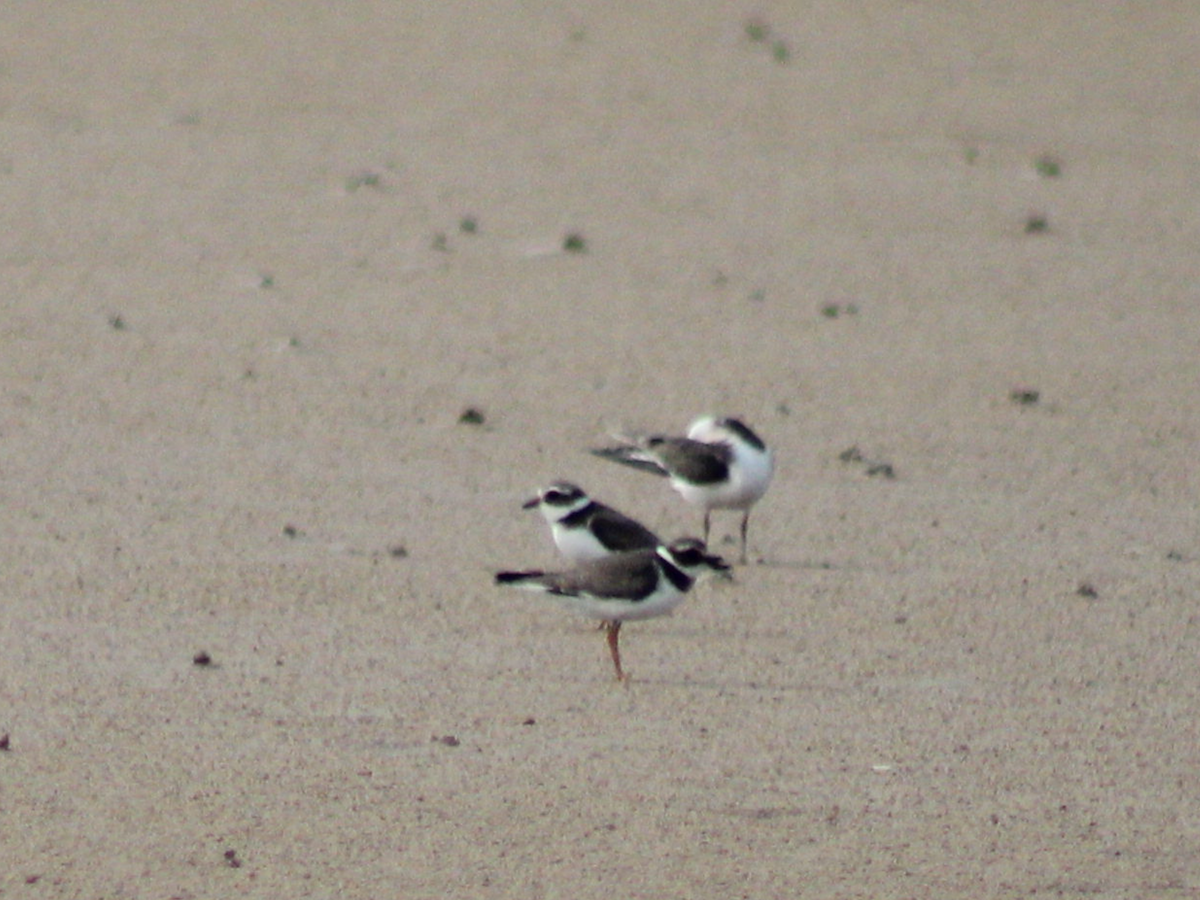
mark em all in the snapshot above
pixel 639 584
pixel 584 529
pixel 720 464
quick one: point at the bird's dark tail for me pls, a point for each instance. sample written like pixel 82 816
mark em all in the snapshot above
pixel 630 456
pixel 517 577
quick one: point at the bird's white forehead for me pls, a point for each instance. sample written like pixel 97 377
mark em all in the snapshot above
pixel 706 428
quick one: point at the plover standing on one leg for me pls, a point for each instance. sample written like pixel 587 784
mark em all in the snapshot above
pixel 584 529
pixel 639 584
pixel 720 464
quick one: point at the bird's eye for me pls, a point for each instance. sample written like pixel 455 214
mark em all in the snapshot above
pixel 554 496
pixel 691 557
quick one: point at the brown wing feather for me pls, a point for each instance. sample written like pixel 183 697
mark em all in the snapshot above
pixel 694 461
pixel 620 532
pixel 626 575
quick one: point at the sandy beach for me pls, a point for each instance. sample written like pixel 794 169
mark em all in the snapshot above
pixel 259 260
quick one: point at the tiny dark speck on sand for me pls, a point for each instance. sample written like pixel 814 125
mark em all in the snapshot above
pixel 471 416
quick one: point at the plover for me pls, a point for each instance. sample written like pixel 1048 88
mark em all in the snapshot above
pixel 584 529
pixel 639 584
pixel 720 464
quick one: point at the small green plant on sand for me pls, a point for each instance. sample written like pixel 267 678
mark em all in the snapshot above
pixel 1047 166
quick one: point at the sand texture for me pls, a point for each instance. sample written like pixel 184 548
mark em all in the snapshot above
pixel 258 259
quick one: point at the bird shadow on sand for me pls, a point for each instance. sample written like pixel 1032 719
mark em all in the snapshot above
pixel 638 680
pixel 813 565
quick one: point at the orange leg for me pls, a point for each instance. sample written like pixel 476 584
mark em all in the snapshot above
pixel 614 630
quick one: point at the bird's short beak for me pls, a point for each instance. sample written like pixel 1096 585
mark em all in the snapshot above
pixel 722 568
pixel 531 503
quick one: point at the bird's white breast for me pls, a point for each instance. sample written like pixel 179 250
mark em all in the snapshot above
pixel 577 544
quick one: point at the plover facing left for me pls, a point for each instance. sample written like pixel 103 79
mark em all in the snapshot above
pixel 720 464
pixel 584 529
pixel 640 584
